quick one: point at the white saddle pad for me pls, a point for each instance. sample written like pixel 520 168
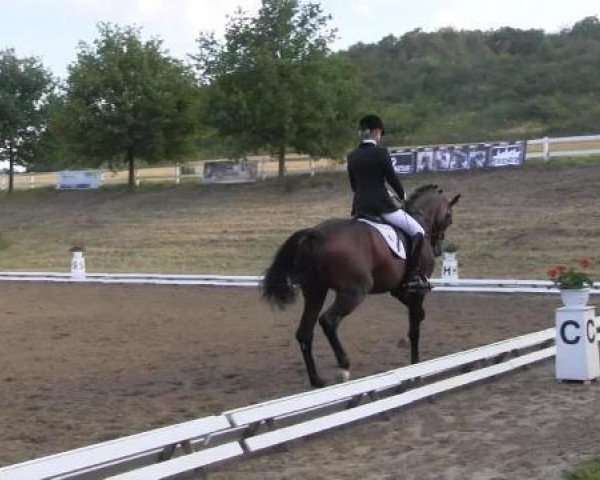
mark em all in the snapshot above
pixel 389 235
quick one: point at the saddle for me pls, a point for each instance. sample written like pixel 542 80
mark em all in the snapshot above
pixel 399 241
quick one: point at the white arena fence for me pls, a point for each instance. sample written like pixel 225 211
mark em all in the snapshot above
pixel 439 285
pixel 580 145
pixel 546 148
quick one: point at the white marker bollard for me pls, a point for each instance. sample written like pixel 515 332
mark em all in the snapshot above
pixel 77 264
pixel 577 356
pixel 449 267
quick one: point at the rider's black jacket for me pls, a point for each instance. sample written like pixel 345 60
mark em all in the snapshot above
pixel 369 166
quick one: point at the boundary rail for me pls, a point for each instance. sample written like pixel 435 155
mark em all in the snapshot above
pixel 463 285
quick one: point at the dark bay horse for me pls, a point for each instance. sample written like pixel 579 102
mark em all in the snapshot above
pixel 352 258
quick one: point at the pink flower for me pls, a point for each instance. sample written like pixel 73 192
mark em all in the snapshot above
pixel 585 262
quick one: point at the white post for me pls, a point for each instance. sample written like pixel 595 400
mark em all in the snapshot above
pixel 137 178
pixel 449 267
pixel 32 180
pixel 546 148
pixel 77 265
pixel 2 187
pixel 312 167
pixel 177 174
pixel 576 344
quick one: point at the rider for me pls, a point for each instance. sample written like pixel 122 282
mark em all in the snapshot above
pixel 369 167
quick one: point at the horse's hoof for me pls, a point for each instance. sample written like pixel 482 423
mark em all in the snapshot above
pixel 343 375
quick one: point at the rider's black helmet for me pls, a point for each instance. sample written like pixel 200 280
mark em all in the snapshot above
pixel 371 122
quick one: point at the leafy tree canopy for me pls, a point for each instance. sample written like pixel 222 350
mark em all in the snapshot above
pixel 24 87
pixel 456 86
pixel 272 83
pixel 126 99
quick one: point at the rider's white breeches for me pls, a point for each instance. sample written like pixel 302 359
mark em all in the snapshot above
pixel 404 221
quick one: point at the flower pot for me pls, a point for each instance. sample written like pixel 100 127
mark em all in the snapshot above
pixel 575 297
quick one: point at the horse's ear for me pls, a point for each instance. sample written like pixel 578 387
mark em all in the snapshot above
pixel 454 200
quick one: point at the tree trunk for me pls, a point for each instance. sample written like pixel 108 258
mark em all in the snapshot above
pixel 11 167
pixel 281 157
pixel 131 164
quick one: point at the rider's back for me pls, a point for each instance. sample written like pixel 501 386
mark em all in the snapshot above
pixel 369 167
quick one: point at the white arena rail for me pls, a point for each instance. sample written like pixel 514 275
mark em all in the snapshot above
pixel 93 461
pixel 236 433
pixel 462 285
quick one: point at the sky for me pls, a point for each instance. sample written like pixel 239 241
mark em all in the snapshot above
pixel 51 29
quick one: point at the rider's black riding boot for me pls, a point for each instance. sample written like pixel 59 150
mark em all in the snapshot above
pixel 415 281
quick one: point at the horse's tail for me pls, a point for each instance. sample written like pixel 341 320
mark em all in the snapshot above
pixel 291 265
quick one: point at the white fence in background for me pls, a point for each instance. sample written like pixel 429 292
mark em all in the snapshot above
pixel 569 147
pixel 295 164
pixel 439 285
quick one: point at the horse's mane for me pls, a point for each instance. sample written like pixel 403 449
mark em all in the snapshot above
pixel 410 201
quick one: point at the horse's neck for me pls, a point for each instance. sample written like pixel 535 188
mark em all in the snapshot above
pixel 424 217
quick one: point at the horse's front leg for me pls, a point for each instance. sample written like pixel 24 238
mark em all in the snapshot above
pixel 416 314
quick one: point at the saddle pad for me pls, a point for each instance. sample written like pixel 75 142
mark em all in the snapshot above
pixel 389 235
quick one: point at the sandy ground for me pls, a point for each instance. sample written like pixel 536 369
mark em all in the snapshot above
pixel 81 364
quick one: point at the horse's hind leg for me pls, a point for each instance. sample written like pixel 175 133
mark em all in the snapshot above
pixel 345 302
pixel 314 297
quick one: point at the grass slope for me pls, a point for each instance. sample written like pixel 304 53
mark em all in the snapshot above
pixel 509 223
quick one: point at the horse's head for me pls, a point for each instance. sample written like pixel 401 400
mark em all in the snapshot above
pixel 431 207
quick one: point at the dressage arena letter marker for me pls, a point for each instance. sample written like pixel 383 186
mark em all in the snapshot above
pixel 449 268
pixel 77 265
pixel 577 356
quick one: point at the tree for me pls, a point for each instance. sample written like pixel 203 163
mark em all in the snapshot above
pixel 24 86
pixel 52 151
pixel 462 86
pixel 273 84
pixel 126 99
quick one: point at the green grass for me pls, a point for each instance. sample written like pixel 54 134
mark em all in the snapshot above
pixel 509 223
pixel 588 471
pixel 3 242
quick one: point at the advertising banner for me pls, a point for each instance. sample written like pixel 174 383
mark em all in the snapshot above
pixel 478 155
pixel 79 180
pixel 403 161
pixel 241 171
pixel 458 157
pixel 424 160
pixel 507 155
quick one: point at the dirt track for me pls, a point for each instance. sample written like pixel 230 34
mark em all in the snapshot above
pixel 82 364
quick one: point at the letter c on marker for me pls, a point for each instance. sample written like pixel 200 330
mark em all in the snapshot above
pixel 591 331
pixel 563 328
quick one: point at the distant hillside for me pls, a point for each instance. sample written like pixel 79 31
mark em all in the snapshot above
pixel 472 85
